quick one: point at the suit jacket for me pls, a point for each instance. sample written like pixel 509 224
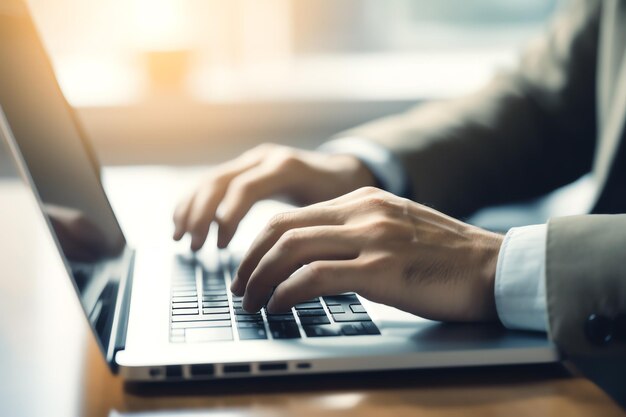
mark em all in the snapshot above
pixel 560 114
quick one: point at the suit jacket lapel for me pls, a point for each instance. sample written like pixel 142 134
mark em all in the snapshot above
pixel 611 89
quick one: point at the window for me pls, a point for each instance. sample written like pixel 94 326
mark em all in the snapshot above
pixel 120 51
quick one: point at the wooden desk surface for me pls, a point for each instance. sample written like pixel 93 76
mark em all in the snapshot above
pixel 50 365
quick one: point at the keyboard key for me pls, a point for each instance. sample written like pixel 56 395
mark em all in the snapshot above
pixel 184 293
pixel 321 331
pixel 314 320
pixel 177 339
pixel 209 334
pixel 184 299
pixel 176 319
pixel 209 275
pixel 250 317
pixel 184 305
pixel 247 324
pixel 187 275
pixel 281 318
pixel 216 310
pixel 214 292
pixel 306 306
pixel 345 317
pixel 252 333
pixel 337 309
pixel 184 287
pixel 211 304
pixel 341 299
pixel 357 308
pixel 286 313
pixel 185 311
pixel 370 327
pixel 284 330
pixel 222 297
pixel 242 312
pixel 309 313
pixel 353 329
pixel 213 286
pixel 195 324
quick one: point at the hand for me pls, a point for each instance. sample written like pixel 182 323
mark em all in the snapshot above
pixel 386 248
pixel 304 177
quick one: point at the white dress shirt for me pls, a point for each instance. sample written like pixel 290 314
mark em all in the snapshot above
pixel 520 289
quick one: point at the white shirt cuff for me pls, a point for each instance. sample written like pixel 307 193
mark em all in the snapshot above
pixel 520 286
pixel 383 164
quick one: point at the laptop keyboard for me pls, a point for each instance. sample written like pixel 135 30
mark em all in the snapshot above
pixel 203 310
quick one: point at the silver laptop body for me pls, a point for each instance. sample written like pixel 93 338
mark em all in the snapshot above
pixel 158 315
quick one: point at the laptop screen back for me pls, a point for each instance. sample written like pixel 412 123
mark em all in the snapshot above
pixel 64 173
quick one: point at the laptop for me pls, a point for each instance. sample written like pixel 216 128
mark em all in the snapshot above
pixel 158 315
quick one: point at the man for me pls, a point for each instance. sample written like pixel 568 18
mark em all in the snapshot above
pixel 559 115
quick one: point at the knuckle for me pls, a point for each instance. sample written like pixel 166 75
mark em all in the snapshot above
pixel 289 240
pixel 370 190
pixel 195 223
pixel 252 283
pixel 377 202
pixel 215 176
pixel 317 275
pixel 278 222
pixel 240 187
pixel 286 159
pixel 382 226
pixel 264 147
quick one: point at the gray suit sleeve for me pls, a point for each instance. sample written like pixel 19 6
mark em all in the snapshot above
pixel 504 142
pixel 585 276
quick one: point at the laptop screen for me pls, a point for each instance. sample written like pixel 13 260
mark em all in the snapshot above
pixel 63 170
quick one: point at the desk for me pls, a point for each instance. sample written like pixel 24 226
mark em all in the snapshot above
pixel 51 366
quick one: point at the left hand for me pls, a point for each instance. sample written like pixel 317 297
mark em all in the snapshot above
pixel 386 248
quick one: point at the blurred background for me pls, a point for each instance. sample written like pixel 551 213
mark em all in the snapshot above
pixel 198 81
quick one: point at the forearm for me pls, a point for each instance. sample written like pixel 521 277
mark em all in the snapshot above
pixel 500 144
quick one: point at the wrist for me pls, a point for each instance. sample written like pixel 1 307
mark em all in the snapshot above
pixel 489 246
pixel 352 172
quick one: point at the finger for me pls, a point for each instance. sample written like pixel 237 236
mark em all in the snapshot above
pixel 251 186
pixel 352 196
pixel 314 280
pixel 180 216
pixel 225 172
pixel 202 213
pixel 294 249
pixel 279 224
pixel 205 202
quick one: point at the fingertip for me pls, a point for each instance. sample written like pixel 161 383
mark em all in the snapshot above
pixel 224 236
pixel 249 308
pixel 239 292
pixel 196 244
pixel 271 306
pixel 234 286
pixel 274 307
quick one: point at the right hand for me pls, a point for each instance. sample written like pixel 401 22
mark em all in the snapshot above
pixel 303 177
